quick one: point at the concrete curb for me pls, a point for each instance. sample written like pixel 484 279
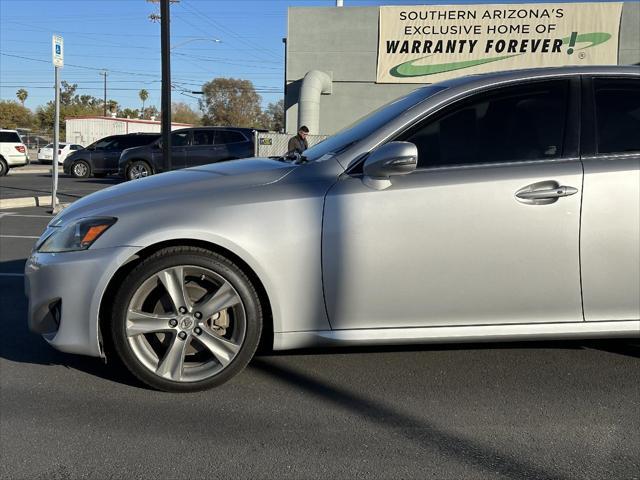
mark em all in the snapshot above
pixel 22 202
pixel 24 171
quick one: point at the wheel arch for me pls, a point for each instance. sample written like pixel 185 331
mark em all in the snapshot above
pixel 104 312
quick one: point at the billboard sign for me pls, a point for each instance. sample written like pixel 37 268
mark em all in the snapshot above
pixel 429 43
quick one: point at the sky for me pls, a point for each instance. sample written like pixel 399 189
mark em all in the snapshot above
pixel 210 38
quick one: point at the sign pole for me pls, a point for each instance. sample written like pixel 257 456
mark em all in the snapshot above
pixel 57 54
pixel 56 144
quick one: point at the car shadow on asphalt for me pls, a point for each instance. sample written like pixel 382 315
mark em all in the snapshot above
pixel 424 434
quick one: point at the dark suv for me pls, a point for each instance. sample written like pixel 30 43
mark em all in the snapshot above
pixel 190 147
pixel 101 157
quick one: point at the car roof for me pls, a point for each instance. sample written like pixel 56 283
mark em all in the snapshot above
pixel 8 130
pixel 534 73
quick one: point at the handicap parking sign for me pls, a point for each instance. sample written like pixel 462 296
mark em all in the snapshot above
pixel 58 51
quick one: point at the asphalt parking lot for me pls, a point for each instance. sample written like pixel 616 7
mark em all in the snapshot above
pixel 19 183
pixel 553 410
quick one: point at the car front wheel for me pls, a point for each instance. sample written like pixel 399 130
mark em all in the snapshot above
pixel 80 169
pixel 138 169
pixel 186 319
pixel 4 168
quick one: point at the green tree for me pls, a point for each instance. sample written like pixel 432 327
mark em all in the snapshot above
pixel 183 113
pixel 14 115
pixel 71 105
pixel 112 106
pixel 67 92
pixel 22 95
pixel 230 102
pixel 151 112
pixel 143 94
pixel 128 113
pixel 274 116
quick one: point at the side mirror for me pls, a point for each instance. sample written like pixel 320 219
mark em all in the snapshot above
pixel 394 158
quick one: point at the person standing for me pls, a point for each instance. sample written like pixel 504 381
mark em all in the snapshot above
pixel 298 144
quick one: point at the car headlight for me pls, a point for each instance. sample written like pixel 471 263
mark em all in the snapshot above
pixel 78 235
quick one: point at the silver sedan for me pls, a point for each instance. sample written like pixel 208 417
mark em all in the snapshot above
pixel 486 208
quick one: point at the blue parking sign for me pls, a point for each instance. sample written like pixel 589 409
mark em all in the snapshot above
pixel 57 51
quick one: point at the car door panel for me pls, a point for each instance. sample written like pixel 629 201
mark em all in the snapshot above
pixel 610 232
pixel 610 239
pixel 202 151
pixel 452 247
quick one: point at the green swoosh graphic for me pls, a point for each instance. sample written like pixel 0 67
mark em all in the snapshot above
pixel 409 69
pixel 593 38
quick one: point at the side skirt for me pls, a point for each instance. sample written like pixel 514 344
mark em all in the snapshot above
pixel 466 334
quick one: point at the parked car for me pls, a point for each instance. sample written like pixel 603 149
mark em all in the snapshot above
pixel 101 158
pixel 492 207
pixel 45 154
pixel 190 147
pixel 13 153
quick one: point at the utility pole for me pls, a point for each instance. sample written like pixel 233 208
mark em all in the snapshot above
pixel 165 44
pixel 165 55
pixel 104 74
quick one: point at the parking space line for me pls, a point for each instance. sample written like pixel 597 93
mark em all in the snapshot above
pixel 18 236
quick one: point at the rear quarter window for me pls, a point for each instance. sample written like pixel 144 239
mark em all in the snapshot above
pixel 140 141
pixel 10 137
pixel 228 136
pixel 617 115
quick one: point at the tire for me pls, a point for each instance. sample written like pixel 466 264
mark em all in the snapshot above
pixel 184 352
pixel 80 169
pixel 4 168
pixel 138 169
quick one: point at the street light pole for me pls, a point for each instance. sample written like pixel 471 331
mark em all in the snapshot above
pixel 166 83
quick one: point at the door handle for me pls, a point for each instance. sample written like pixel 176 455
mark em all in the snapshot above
pixel 562 191
pixel 544 193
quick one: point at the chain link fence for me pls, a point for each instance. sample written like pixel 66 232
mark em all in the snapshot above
pixel 34 141
pixel 271 144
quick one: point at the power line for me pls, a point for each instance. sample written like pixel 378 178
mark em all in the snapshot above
pixel 255 48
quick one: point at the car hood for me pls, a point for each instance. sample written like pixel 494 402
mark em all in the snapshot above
pixel 204 183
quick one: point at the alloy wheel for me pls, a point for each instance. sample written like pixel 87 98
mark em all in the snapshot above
pixel 138 170
pixel 80 169
pixel 185 323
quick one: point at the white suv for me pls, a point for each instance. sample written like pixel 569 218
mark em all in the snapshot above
pixel 13 152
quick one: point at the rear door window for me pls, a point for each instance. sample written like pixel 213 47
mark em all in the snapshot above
pixel 202 137
pixel 10 137
pixel 229 136
pixel 180 139
pixel 617 103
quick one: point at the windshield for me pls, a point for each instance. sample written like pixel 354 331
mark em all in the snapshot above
pixel 369 123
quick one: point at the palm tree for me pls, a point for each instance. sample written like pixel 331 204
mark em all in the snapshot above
pixel 22 95
pixel 143 94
